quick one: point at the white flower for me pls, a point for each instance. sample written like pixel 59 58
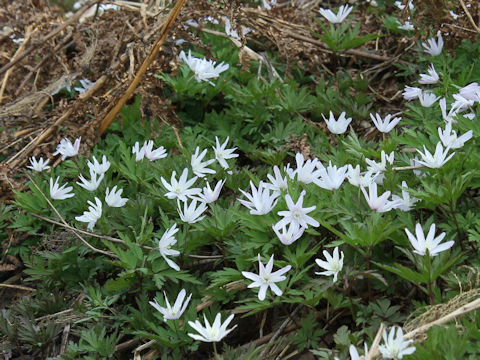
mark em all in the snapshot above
pixel 288 237
pixel 307 171
pixel 380 167
pixel 216 332
pixel 461 104
pixel 296 213
pixel 93 184
pixel 222 154
pixel 395 347
pixel 430 244
pixel 39 165
pixel 180 189
pixel 399 5
pixel 407 26
pixel 203 69
pixel 99 168
pixel 385 125
pixel 378 203
pixel 277 183
pixel 60 193
pixel 66 149
pixel 114 198
pixel 433 47
pixel 436 160
pixel 208 195
pixel 200 168
pixel 191 214
pixel 357 179
pixel 451 114
pixel 266 279
pixel 260 202
pixel 411 92
pixel 85 84
pixel 138 151
pixel 151 154
pixel 470 92
pixel 342 14
pixel 430 78
pixel 333 265
pixel 269 4
pixel 337 126
pixel 454 16
pixel 232 33
pixel 332 178
pixel 172 313
pixel 449 137
pixel 165 246
pixel 405 202
pixel 354 352
pixel 92 215
pixel 427 98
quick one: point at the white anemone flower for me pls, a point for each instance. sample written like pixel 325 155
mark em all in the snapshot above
pixel 260 201
pixel 290 235
pixel 191 213
pixel 92 215
pixel 165 246
pixel 433 47
pixel 405 202
pixel 307 171
pixel 114 198
pixel 332 178
pixel 151 154
pixel 266 278
pixel 427 98
pixel 296 213
pixel 450 139
pixel 208 195
pixel 338 126
pixel 385 125
pixel 211 333
pixel 97 167
pixel 60 192
pixel 343 12
pixel 138 151
pixel 356 178
pixel 411 92
pixel 222 154
pixel 39 165
pixel 199 167
pixel 438 159
pixel 94 183
pixel 430 244
pixel 430 78
pixel 202 68
pixel 333 264
pixel 67 149
pixel 378 203
pixel 175 312
pixel 181 188
pixel 394 346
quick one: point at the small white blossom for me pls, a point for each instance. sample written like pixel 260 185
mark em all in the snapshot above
pixel 430 78
pixel 191 213
pixel 407 26
pixel 379 168
pixel 85 84
pixel 67 149
pixel 354 353
pixel 401 6
pixel 337 126
pixel 411 92
pixel 266 279
pixel 211 333
pixel 290 235
pixel 450 139
pixel 451 114
pixel 222 153
pixel 165 246
pixel 296 213
pixel 39 165
pixel 333 265
pixel 385 125
pixel 430 243
pixel 394 346
pixel 427 98
pixel 203 69
pixel 277 183
pixel 151 154
pixel 436 160
pixel 200 168
pixel 343 12
pixel 208 195
pixel 60 192
pixel 355 177
pixel 470 92
pixel 461 104
pixel 94 182
pixel 138 151
pixel 378 203
pixel 232 33
pixel 269 4
pixel 175 312
pixel 404 203
pixel 97 167
pixel 180 189
pixel 332 178
pixel 307 171
pixel 260 201
pixel 433 47
pixel 92 215
pixel 114 198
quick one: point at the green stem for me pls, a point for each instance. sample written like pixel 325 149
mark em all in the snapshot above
pixel 430 281
pixel 215 349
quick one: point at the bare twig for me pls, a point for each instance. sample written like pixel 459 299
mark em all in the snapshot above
pixel 18 287
pixel 376 342
pixel 469 16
